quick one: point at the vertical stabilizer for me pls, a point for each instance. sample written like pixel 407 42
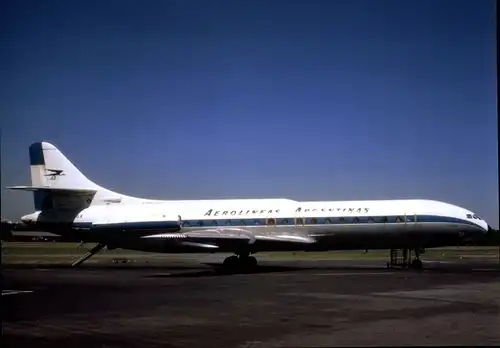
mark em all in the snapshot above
pixel 57 184
pixel 51 169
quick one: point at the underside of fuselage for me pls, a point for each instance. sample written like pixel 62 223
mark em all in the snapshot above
pixel 344 238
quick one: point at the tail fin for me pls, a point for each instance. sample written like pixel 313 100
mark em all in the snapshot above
pixel 51 169
pixel 58 184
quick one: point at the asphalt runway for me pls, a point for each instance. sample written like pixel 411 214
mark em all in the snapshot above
pixel 280 305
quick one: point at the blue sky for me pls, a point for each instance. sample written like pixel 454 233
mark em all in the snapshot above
pixel 309 100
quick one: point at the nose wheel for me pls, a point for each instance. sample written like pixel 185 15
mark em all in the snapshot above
pixel 417 263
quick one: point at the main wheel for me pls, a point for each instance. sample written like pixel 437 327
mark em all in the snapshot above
pixel 251 261
pixel 231 262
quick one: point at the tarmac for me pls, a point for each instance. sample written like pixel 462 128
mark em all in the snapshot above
pixel 299 304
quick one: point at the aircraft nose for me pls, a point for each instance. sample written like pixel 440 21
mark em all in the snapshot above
pixel 484 225
pixel 487 228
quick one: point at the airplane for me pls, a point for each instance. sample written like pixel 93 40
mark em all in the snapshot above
pixel 67 203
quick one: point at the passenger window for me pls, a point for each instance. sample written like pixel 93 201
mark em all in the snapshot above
pixel 383 219
pixel 356 219
pixel 271 222
pixel 341 219
pixel 314 221
pixel 399 219
pixel 328 221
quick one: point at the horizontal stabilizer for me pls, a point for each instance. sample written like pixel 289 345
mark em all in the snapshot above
pixel 52 189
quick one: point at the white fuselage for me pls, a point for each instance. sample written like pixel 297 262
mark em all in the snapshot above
pixel 333 224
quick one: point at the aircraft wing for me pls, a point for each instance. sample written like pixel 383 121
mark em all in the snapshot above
pixel 212 238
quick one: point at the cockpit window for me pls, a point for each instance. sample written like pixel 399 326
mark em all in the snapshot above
pixel 473 216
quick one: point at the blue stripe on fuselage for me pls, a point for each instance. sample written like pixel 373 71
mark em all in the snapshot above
pixel 337 220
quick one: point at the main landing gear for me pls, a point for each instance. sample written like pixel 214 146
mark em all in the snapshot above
pixel 239 262
pixel 402 258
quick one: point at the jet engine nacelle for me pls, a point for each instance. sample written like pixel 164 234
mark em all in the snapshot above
pixel 133 218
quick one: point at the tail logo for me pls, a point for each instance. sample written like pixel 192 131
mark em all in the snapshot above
pixel 53 173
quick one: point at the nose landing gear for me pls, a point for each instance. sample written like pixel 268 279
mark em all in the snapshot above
pixel 402 258
pixel 416 263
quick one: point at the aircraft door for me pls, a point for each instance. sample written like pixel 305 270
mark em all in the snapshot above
pixel 411 221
